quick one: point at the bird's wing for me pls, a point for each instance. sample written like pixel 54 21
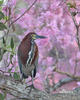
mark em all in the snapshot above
pixel 19 62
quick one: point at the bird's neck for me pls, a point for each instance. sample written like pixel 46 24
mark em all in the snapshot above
pixel 32 42
pixel 31 53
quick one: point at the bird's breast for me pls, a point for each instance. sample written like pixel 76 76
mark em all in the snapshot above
pixel 28 53
pixel 27 70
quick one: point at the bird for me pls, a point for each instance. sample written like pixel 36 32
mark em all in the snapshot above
pixel 28 55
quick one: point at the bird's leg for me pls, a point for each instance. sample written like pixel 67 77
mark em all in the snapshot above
pixel 32 77
pixel 21 78
pixel 32 86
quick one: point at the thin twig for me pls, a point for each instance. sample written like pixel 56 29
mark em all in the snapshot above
pixel 8 20
pixel 3 71
pixel 23 13
pixel 77 30
pixel 77 78
pixel 75 68
pixel 76 26
pixel 62 82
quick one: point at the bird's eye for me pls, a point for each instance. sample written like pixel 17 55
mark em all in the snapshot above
pixel 34 36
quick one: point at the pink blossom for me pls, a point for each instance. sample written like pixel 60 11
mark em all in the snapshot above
pixel 52 19
pixel 78 83
pixel 78 55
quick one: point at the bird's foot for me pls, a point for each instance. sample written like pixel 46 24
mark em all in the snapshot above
pixel 31 87
pixel 20 81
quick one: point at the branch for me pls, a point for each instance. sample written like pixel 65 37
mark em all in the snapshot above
pixel 23 13
pixel 76 26
pixel 77 78
pixel 77 30
pixel 62 82
pixel 20 91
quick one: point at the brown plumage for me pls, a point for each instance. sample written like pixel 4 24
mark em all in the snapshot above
pixel 28 55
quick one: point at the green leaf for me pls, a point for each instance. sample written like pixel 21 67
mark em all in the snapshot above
pixel 1 15
pixel 16 76
pixel 12 43
pixel 73 13
pixel 11 56
pixel 6 17
pixel 1 96
pixel 8 47
pixel 2 26
pixel 71 5
pixel 0 8
pixel 4 41
pixel 4 51
pixel 1 2
pixel 1 54
pixel 9 70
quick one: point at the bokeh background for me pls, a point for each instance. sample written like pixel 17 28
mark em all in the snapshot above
pixel 50 18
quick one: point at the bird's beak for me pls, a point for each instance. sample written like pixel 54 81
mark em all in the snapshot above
pixel 40 37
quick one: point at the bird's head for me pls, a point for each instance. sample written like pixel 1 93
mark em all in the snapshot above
pixel 35 36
